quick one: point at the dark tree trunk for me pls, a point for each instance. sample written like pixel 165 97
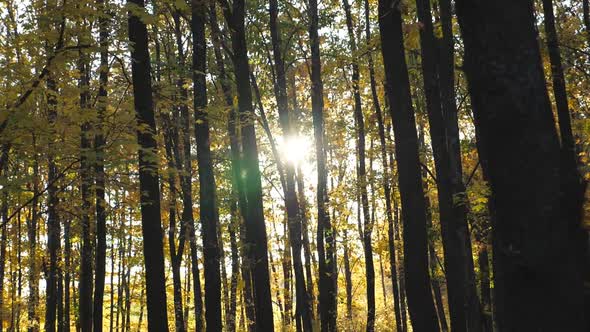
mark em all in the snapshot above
pixel 207 195
pixel 33 273
pixel 347 275
pixel 432 256
pixel 303 308
pixel 460 228
pixel 362 174
pixel 486 300
pixel 85 282
pixel 249 185
pixel 53 226
pixel 328 276
pixel 99 145
pixel 535 235
pixel 586 14
pixel 230 316
pixel 386 177
pixel 67 274
pixel 175 255
pixel 4 240
pixel 395 233
pixel 420 304
pixel 464 315
pixel 559 89
pixel 148 174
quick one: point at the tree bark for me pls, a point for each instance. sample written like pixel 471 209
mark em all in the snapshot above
pixel 464 314
pixel 249 181
pixel 362 174
pixel 303 309
pixel 100 176
pixel 85 282
pixel 328 276
pixel 148 174
pixel 535 236
pixel 207 194
pixel 420 304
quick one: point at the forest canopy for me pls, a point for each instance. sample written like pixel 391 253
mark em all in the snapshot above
pixel 294 165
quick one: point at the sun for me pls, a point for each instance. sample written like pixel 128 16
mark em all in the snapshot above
pixel 295 149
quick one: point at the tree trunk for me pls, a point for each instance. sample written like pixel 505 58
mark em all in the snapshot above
pixel 421 306
pixel 53 226
pixel 207 195
pixel 559 88
pixel 85 282
pixel 33 273
pixel 148 174
pixel 535 236
pixel 464 314
pixel 291 203
pixel 99 146
pixel 362 174
pixel 328 276
pixel 175 255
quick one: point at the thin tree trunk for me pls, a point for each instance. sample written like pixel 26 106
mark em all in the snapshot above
pixel 536 223
pixel 67 274
pixel 148 174
pixel 328 276
pixel 559 87
pixel 486 301
pixel 33 273
pixel 362 174
pixel 100 177
pixel 207 194
pixel 85 282
pixel 175 256
pixel 303 308
pixel 421 306
pixel 3 242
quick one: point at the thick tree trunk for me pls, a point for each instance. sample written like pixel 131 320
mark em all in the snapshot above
pixel 148 174
pixel 464 315
pixel 536 224
pixel 207 195
pixel 421 306
pixel 249 184
pixel 328 276
pixel 99 144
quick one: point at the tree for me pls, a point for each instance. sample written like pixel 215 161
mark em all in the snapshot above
pixel 249 183
pixel 151 222
pixel 207 195
pixel 327 285
pixel 531 221
pixel 420 304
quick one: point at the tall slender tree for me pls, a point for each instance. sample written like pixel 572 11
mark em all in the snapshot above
pixel 420 304
pixel 303 309
pixel 153 248
pixel 328 277
pixel 99 169
pixel 249 182
pixel 207 194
